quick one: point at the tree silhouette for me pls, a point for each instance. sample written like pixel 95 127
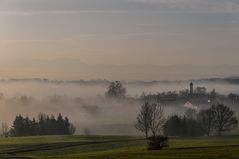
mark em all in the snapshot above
pixel 157 118
pixel 143 119
pixel 150 118
pixel 224 118
pixel 116 90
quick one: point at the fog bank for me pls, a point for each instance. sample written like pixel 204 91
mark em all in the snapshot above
pixel 85 105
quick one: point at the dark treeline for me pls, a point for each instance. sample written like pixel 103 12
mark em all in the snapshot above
pixel 199 94
pixel 44 125
pixel 209 122
pixel 216 120
pixel 229 80
pixel 182 126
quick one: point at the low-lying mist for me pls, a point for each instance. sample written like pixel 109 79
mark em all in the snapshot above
pixel 85 105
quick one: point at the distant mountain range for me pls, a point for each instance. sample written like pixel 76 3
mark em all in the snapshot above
pixel 68 69
pixel 229 80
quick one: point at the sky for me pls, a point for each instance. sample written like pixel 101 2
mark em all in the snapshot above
pixel 114 32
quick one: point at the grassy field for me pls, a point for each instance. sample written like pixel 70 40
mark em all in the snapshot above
pixel 117 147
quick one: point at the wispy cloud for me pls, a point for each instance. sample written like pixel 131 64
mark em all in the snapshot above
pixel 58 12
pixel 211 6
pixel 14 13
pixel 28 8
pixel 84 37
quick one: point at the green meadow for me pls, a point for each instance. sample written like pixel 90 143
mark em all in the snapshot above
pixel 117 147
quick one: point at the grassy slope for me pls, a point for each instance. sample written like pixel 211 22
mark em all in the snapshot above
pixel 117 147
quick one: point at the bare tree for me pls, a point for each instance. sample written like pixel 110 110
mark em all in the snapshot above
pixel 143 119
pixel 157 119
pixel 150 119
pixel 224 118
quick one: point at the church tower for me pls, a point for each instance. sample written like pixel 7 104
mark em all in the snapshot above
pixel 191 88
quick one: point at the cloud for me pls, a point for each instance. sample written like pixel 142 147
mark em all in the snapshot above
pixel 33 7
pixel 90 37
pixel 14 13
pixel 208 6
pixel 58 12
pixel 40 7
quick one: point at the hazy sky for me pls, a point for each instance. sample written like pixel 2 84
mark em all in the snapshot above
pixel 160 32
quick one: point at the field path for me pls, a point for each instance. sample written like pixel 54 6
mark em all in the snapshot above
pixel 55 146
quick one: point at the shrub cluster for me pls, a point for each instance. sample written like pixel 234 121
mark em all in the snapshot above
pixel 157 142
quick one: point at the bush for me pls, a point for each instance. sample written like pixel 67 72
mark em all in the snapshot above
pixel 157 143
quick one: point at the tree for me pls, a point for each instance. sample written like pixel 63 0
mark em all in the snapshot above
pixel 206 120
pixel 157 120
pixel 224 118
pixel 213 95
pixel 233 98
pixel 191 127
pixel 41 124
pixel 46 125
pixel 116 90
pixel 191 113
pixel 188 125
pixel 150 118
pixel 143 119
pixel 66 126
pixel 60 125
pixel 173 126
pixel 17 128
